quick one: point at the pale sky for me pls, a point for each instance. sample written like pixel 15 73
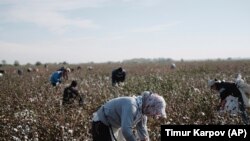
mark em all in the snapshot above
pixel 79 31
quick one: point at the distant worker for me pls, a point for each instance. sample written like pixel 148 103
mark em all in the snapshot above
pixel 56 77
pixel 118 76
pixel 70 94
pixel 173 66
pixel 19 72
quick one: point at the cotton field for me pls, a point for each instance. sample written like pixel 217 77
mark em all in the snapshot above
pixel 31 109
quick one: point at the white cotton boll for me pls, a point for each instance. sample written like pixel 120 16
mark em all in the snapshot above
pixel 15 129
pixel 106 78
pixel 70 131
pixel 27 129
pixel 36 134
pixel 15 138
pixel 26 138
pixel 16 115
pixel 23 114
pixel 197 90
pixel 67 125
pixel 202 113
pixel 19 127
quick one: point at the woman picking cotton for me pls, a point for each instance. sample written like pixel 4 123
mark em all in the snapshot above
pixel 125 113
pixel 231 98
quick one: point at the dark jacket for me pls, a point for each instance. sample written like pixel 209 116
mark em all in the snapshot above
pixel 118 75
pixel 70 94
pixel 229 88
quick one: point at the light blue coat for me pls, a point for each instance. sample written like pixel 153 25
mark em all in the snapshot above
pixel 124 113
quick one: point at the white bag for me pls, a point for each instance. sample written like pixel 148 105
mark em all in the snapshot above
pixel 244 89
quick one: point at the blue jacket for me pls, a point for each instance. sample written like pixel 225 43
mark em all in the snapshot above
pixel 56 77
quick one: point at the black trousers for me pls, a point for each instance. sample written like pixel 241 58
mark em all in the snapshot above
pixel 100 131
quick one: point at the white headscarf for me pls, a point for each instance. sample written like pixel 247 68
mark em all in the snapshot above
pixel 153 104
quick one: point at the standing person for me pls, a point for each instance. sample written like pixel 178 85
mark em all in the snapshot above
pixel 118 75
pixel 71 93
pixel 227 89
pixel 125 113
pixel 56 77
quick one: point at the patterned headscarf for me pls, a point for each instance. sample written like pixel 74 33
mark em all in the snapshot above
pixel 153 104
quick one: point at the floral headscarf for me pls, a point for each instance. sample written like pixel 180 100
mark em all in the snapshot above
pixel 153 104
